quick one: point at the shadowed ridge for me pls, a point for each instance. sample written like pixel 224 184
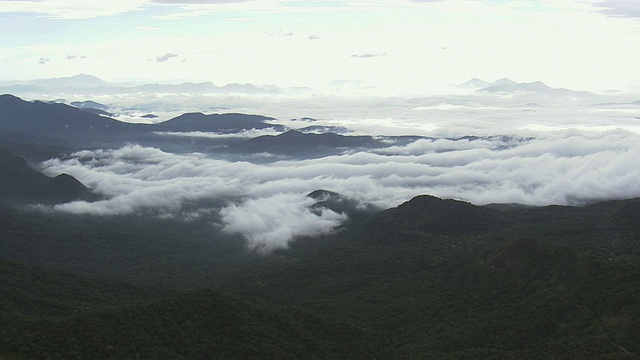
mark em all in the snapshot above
pixel 20 182
pixel 294 142
pixel 443 216
pixel 64 188
pixel 59 121
pixel 17 178
pixel 231 122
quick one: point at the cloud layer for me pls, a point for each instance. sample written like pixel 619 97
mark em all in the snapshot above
pixel 266 202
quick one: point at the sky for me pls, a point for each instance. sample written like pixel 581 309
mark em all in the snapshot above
pixel 398 45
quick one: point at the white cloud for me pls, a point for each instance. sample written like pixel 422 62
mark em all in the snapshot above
pixel 213 135
pixel 166 57
pixel 72 9
pixel 266 203
pixel 620 8
pixel 256 219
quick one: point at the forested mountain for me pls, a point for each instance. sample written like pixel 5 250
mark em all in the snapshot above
pixel 500 282
pixel 60 316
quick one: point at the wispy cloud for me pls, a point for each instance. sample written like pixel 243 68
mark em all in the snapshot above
pixel 166 57
pixel 367 55
pixel 620 8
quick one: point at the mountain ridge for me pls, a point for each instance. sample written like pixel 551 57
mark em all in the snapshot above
pixel 19 182
pixel 89 84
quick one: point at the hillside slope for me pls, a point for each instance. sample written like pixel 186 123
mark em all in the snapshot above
pixel 192 324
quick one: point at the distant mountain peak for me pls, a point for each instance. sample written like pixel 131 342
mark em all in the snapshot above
pixel 443 216
pixel 474 83
pixel 76 81
pixel 503 81
pixel 90 104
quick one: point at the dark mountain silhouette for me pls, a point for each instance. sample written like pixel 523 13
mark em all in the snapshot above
pixel 443 216
pixel 17 179
pixel 63 188
pixel 19 182
pixel 226 123
pixel 59 121
pixel 89 104
pixel 34 148
pixel 82 128
pixel 295 142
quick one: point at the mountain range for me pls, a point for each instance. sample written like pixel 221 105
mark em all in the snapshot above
pixel 75 127
pixel 538 88
pixel 89 84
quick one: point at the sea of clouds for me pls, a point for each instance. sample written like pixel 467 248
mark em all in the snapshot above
pixel 555 161
pixel 521 148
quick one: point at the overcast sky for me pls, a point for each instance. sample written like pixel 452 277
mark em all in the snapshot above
pixel 399 44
